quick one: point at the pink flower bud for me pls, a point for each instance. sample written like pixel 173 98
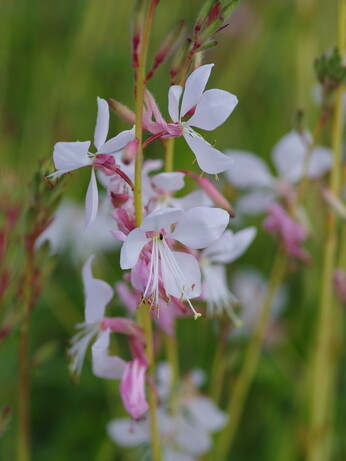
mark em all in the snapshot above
pixel 132 389
pixel 130 151
pixel 105 163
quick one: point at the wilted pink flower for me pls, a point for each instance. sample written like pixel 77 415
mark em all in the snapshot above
pixel 132 388
pixel 290 231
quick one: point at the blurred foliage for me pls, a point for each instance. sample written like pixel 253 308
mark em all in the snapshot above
pixel 55 58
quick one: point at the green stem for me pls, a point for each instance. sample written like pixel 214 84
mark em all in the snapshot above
pixel 144 316
pixel 244 380
pixel 169 155
pixel 219 363
pixel 324 361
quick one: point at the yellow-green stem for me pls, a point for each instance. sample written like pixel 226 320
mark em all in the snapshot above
pixel 324 360
pixel 144 316
pixel 169 155
pixel 242 384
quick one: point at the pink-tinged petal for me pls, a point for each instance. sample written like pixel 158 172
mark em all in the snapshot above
pixel 128 433
pixel 256 202
pixel 132 248
pixel 196 198
pixel 91 201
pixel 289 155
pixel 169 182
pixel 118 142
pixel 248 170
pixel 160 219
pixel 181 277
pixel 97 294
pixel 230 246
pixel 104 365
pixel 128 297
pixel 209 159
pixel 132 389
pixel 201 226
pixel 102 123
pixel 174 96
pixel 194 88
pixel 69 156
pixel 206 414
pixel 320 162
pixel 213 109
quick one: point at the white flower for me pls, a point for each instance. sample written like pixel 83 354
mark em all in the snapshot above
pixel 213 259
pixel 178 272
pixel 292 157
pixel 211 109
pixel 70 156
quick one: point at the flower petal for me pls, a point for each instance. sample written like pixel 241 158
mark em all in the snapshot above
pixel 194 88
pixel 241 241
pixel 199 227
pixel 118 142
pixel 320 162
pixel 213 109
pixel 209 159
pixel 132 248
pixel 69 156
pixel 182 278
pixel 97 294
pixel 169 182
pixel 248 170
pixel 161 219
pixel 206 414
pixel 132 389
pixel 174 95
pixel 102 123
pixel 91 201
pixel 256 202
pixel 128 433
pixel 104 365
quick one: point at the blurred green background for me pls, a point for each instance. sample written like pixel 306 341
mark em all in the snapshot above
pixel 55 59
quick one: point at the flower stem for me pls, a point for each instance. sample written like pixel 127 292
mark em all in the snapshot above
pixel 243 382
pixel 144 316
pixel 324 360
pixel 169 155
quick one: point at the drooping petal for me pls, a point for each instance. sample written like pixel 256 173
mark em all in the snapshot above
pixel 132 248
pixel 160 219
pixel 256 202
pixel 104 365
pixel 102 123
pixel 289 155
pixel 320 162
pixel 194 88
pixel 209 159
pixel 201 226
pixel 132 389
pixel 118 142
pixel 213 109
pixel 91 201
pixel 169 182
pixel 128 433
pixel 206 414
pixel 174 95
pixel 181 274
pixel 248 170
pixel 97 294
pixel 69 156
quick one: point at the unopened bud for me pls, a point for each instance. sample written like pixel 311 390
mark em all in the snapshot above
pixel 122 111
pixel 130 151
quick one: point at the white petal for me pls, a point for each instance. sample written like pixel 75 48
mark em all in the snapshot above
pixel 161 219
pixel 102 123
pixel 97 294
pixel 248 170
pixel 174 95
pixel 256 202
pixel 201 226
pixel 209 159
pixel 194 87
pixel 289 155
pixel 230 246
pixel 118 142
pixel 206 414
pixel 188 284
pixel 194 440
pixel 128 433
pixel 104 365
pixel 196 198
pixel 171 454
pixel 213 109
pixel 69 156
pixel 320 162
pixel 91 201
pixel 169 182
pixel 132 248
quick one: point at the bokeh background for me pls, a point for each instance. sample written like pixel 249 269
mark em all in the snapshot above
pixel 55 59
